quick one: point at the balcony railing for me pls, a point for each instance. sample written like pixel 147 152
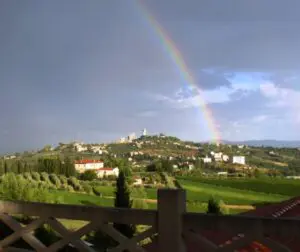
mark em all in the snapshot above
pixel 174 229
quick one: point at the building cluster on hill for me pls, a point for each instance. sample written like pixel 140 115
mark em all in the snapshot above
pixel 221 157
pixel 131 137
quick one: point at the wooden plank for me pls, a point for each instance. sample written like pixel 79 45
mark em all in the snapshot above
pixel 238 224
pixel 70 237
pixel 64 232
pixel 29 238
pixel 13 249
pixel 77 212
pixel 206 245
pixel 132 243
pixel 119 237
pixel 21 231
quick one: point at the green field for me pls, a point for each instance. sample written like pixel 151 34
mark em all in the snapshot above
pixel 201 192
pixel 86 199
pixel 279 186
pixel 109 191
pixel 242 192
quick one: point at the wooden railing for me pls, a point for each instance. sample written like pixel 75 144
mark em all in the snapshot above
pixel 171 223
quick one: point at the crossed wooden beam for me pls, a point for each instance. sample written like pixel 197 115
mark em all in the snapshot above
pixel 26 232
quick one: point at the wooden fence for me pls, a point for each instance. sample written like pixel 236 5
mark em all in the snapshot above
pixel 170 223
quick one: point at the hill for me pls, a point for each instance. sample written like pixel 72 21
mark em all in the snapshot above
pixel 147 150
pixel 270 143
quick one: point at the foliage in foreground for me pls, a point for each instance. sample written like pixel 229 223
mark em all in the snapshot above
pixel 14 187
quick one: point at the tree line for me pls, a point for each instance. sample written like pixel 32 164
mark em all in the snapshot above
pixel 49 165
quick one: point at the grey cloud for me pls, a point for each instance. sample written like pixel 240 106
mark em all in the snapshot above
pixel 226 11
pixel 72 69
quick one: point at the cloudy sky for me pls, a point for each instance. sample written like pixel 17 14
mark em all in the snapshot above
pixel 96 70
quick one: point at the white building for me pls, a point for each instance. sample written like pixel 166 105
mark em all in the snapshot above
pixel 102 172
pixel 222 173
pixel 122 140
pixel 191 167
pixel 131 137
pixel 80 148
pixel 218 156
pixel 97 149
pixel 239 160
pixel 138 181
pixel 84 165
pixel 225 158
pixel 207 160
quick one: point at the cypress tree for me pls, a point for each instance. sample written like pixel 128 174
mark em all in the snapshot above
pixel 19 167
pixel 1 168
pixel 69 168
pixel 122 200
pixel 5 167
pixel 213 207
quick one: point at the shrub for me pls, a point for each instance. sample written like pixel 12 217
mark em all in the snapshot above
pixel 87 188
pixel 27 175
pixel 63 179
pixel 70 188
pixel 72 181
pixel 17 188
pixel 139 204
pixel 55 180
pixel 36 176
pixel 45 177
pixel 97 192
pixel 213 207
pixel 88 175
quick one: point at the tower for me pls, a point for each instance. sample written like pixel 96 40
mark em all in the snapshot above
pixel 144 132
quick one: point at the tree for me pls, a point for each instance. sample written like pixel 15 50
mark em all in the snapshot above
pixel 213 207
pixel 47 148
pixel 19 167
pixel 69 169
pixel 122 200
pixel 88 175
pixel 1 168
pixel 166 166
pixel 6 170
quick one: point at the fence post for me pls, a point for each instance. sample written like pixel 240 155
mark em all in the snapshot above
pixel 171 206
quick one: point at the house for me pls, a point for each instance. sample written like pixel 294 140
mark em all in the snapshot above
pixel 102 172
pixel 80 148
pixel 122 140
pixel 218 156
pixel 225 158
pixel 137 181
pixel 190 167
pixel 239 160
pixel 84 165
pixel 207 160
pixel 131 137
pixel 97 149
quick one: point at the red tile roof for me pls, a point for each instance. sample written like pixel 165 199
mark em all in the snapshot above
pixel 86 161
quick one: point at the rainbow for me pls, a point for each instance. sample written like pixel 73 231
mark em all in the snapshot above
pixel 180 64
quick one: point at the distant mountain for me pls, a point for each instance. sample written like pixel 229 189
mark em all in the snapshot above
pixel 271 143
